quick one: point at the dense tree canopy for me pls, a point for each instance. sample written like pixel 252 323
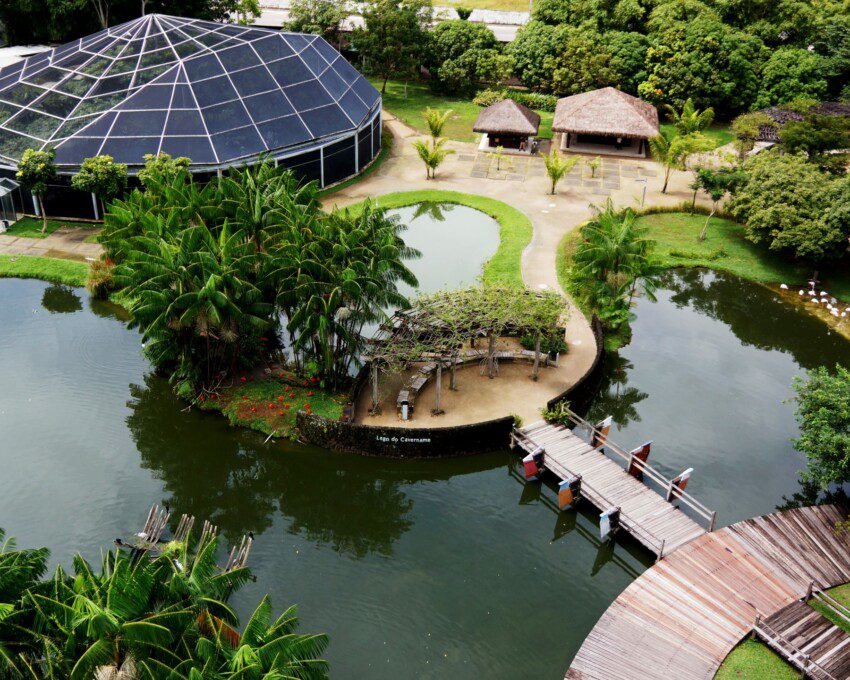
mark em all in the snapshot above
pixel 394 40
pixel 207 268
pixel 783 204
pixel 823 413
pixel 321 17
pixel 706 60
pixel 462 54
pixel 792 73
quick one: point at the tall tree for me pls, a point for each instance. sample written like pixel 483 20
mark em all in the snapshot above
pixel 320 17
pixel 558 166
pixel 823 413
pixel 689 119
pixel 716 183
pixel 101 176
pixel 35 171
pixel 672 151
pixel 395 37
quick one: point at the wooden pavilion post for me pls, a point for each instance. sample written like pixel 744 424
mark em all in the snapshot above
pixel 439 391
pixel 453 383
pixel 374 368
pixel 536 368
pixel 491 356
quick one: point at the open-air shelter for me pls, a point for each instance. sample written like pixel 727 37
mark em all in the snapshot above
pixel 507 124
pixel 605 122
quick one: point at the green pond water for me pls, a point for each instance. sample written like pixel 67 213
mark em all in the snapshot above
pixel 442 569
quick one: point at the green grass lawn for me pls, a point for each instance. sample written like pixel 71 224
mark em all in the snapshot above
pixel 30 227
pixel 718 132
pixel 52 269
pixel 753 660
pixel 842 595
pixel 725 248
pixel 514 234
pixel 459 126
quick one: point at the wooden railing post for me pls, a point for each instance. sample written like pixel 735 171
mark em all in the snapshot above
pixel 711 522
pixel 755 627
pixel 661 552
pixel 809 591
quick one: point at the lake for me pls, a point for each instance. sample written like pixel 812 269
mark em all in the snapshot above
pixel 448 568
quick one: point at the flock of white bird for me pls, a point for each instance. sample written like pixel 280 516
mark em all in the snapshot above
pixel 823 299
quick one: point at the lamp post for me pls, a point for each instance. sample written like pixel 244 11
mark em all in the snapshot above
pixel 643 196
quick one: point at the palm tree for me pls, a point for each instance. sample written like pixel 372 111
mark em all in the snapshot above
pixel 432 153
pixel 113 619
pixel 690 119
pixel 436 121
pixel 672 150
pixel 265 649
pixel 20 571
pixel 557 166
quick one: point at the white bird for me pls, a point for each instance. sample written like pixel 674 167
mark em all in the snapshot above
pixel 811 292
pixel 834 312
pixel 802 291
pixel 823 293
pixel 833 300
pixel 843 313
pixel 783 286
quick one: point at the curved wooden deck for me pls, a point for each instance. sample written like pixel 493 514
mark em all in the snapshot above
pixel 684 615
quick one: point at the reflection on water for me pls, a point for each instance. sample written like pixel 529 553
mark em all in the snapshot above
pixel 59 299
pixel 708 377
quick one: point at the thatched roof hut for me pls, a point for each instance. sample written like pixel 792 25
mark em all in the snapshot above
pixel 606 112
pixel 507 117
pixel 781 116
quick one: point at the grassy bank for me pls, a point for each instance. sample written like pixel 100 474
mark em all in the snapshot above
pixel 724 249
pixel 842 595
pixel 69 272
pixel 464 112
pixel 269 405
pixel 515 228
pixel 753 660
pixel 720 134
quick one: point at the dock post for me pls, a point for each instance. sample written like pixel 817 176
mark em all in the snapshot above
pixel 809 591
pixel 711 522
pixel 661 552
pixel 755 627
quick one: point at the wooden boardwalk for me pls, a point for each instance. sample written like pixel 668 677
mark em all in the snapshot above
pixel 808 640
pixel 645 514
pixel 683 616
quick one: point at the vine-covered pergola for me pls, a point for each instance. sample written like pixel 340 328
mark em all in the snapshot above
pixel 437 327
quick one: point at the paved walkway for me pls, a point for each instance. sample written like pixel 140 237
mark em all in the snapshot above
pixel 683 616
pixel 552 216
pixel 67 243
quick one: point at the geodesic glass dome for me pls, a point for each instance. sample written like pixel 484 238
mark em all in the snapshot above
pixel 220 94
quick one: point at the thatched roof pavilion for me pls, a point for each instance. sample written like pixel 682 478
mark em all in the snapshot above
pixel 781 116
pixel 507 124
pixel 605 117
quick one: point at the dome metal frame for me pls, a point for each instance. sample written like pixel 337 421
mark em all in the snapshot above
pixel 221 94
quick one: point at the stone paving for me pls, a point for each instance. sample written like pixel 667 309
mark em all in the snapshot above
pixel 66 243
pixel 612 175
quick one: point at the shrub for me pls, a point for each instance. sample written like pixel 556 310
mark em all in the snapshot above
pixel 533 100
pixel 101 279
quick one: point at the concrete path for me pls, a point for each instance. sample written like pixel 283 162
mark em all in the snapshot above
pixel 524 186
pixel 67 243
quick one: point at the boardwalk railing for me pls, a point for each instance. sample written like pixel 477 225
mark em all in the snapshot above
pixel 793 654
pixel 645 469
pixel 599 500
pixel 834 605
